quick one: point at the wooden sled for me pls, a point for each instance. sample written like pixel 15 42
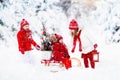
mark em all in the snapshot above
pixel 49 62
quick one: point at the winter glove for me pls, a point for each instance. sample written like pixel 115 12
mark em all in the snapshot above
pixel 95 46
pixel 37 47
pixel 72 50
pixel 80 50
pixel 67 56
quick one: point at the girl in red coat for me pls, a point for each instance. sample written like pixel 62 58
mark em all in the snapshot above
pixel 60 52
pixel 24 37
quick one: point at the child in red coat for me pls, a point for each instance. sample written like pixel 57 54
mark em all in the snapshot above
pixel 24 37
pixel 60 52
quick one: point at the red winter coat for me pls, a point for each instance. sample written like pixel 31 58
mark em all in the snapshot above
pixel 59 51
pixel 25 40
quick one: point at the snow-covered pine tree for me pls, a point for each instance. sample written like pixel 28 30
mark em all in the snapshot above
pixel 45 43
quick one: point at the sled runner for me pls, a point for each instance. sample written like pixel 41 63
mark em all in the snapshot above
pixel 77 60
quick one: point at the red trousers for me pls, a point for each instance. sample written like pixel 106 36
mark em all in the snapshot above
pixel 88 57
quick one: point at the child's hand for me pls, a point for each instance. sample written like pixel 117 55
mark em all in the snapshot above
pixel 37 47
pixel 95 46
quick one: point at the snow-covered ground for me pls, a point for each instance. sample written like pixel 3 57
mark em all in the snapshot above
pixel 12 65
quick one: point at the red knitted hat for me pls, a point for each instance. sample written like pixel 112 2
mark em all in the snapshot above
pixel 23 23
pixel 73 25
pixel 58 37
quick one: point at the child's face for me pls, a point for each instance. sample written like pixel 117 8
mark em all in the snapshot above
pixel 61 40
pixel 53 38
pixel 26 27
